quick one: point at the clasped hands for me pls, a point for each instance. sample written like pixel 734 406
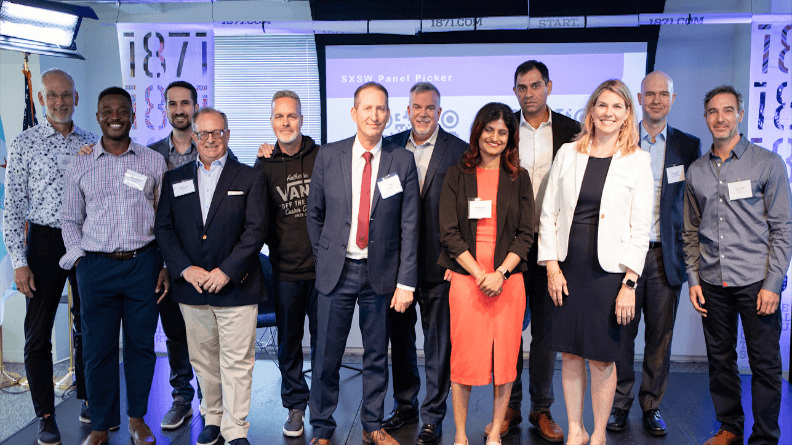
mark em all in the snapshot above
pixel 202 280
pixel 491 284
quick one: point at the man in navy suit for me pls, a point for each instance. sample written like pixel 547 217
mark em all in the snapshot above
pixel 660 283
pixel 211 224
pixel 363 226
pixel 435 150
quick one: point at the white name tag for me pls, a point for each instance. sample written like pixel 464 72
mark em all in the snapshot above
pixel 183 188
pixel 63 162
pixel 135 179
pixel 675 174
pixel 478 209
pixel 235 193
pixel 740 190
pixel 389 185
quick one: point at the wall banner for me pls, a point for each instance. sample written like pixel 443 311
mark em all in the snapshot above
pixel 769 120
pixel 156 54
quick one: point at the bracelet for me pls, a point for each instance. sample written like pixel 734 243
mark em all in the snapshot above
pixel 553 275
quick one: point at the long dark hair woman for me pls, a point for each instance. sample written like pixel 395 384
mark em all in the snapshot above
pixel 487 226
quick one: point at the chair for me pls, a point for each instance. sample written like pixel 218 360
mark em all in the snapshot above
pixel 268 342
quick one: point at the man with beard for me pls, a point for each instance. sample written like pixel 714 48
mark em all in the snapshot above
pixel 435 151
pixel 109 201
pixel 34 188
pixel 287 171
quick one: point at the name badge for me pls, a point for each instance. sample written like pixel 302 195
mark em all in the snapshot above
pixel 235 193
pixel 183 188
pixel 63 162
pixel 740 190
pixel 135 179
pixel 389 185
pixel 675 174
pixel 478 209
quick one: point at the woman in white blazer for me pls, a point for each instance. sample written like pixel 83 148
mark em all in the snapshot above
pixel 593 238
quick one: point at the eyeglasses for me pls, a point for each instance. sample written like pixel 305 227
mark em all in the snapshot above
pixel 204 135
pixel 66 97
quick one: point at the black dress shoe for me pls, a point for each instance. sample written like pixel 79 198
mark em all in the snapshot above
pixel 653 422
pixel 430 434
pixel 617 420
pixel 399 418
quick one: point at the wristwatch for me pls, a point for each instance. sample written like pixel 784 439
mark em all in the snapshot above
pixel 505 272
pixel 629 283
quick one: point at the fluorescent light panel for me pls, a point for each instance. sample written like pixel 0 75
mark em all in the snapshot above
pixel 30 23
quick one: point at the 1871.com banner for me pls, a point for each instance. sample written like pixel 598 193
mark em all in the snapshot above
pixel 154 55
pixel 770 125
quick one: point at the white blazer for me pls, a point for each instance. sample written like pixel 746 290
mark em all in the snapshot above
pixel 625 210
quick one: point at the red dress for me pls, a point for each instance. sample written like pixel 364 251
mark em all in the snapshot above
pixel 485 331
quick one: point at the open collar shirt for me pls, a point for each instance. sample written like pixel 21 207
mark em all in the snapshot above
pixel 207 182
pixel 423 154
pixel 731 240
pixel 34 182
pixel 656 149
pixel 102 213
pixel 536 155
pixel 176 159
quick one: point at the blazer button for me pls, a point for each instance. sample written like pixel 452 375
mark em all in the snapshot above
pixel 602 216
pixel 204 237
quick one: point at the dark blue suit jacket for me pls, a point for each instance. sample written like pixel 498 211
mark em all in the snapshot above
pixel 231 239
pixel 681 149
pixel 448 150
pixel 393 227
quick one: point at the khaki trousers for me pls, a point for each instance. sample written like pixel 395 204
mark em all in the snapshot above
pixel 221 342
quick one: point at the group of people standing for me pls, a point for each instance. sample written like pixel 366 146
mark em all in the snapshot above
pixel 574 228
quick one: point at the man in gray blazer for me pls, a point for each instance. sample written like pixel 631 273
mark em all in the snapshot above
pixel 660 283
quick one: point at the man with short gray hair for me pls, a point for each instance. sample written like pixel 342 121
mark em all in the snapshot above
pixel 37 160
pixel 287 171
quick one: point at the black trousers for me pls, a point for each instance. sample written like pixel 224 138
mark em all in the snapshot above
pixel 178 356
pixel 295 300
pixel 542 360
pixel 762 336
pixel 659 301
pixel 44 250
pixel 436 324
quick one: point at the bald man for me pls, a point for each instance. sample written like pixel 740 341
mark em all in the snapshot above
pixel 659 285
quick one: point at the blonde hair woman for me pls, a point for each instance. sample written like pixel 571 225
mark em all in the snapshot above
pixel 593 238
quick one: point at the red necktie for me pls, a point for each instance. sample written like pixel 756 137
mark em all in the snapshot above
pixel 365 204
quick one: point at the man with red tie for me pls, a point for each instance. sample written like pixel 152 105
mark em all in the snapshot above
pixel 363 226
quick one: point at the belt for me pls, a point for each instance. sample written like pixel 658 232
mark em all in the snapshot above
pixel 123 256
pixel 654 244
pixel 356 261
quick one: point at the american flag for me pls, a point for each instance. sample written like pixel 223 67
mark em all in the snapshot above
pixel 30 106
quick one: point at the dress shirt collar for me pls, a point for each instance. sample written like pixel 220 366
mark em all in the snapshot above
pixel 221 162
pixel 429 142
pixel 172 148
pixel 99 149
pixel 47 130
pixel 549 120
pixel 738 149
pixel 357 150
pixel 645 136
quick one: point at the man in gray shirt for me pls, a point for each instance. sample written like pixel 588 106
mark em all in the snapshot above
pixel 737 244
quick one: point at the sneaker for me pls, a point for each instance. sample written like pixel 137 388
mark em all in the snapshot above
pixel 209 436
pixel 174 418
pixel 294 424
pixel 240 441
pixel 48 433
pixel 85 416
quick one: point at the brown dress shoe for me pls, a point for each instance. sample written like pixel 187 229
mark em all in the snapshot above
pixel 96 438
pixel 318 441
pixel 547 427
pixel 724 438
pixel 510 420
pixel 140 432
pixel 379 437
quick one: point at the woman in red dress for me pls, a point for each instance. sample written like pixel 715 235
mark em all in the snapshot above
pixel 487 226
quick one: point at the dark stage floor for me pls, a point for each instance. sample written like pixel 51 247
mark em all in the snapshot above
pixel 687 409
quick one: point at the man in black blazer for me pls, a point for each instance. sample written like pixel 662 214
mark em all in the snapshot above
pixel 211 224
pixel 664 272
pixel 363 226
pixel 542 133
pixel 435 150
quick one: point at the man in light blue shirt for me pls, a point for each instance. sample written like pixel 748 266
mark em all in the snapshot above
pixel 658 287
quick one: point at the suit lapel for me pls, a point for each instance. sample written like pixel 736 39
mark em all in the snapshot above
pixel 505 193
pixel 221 191
pixel 345 159
pixel 382 171
pixel 437 155
pixel 195 198
pixel 671 159
pixel 581 160
pixel 471 189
